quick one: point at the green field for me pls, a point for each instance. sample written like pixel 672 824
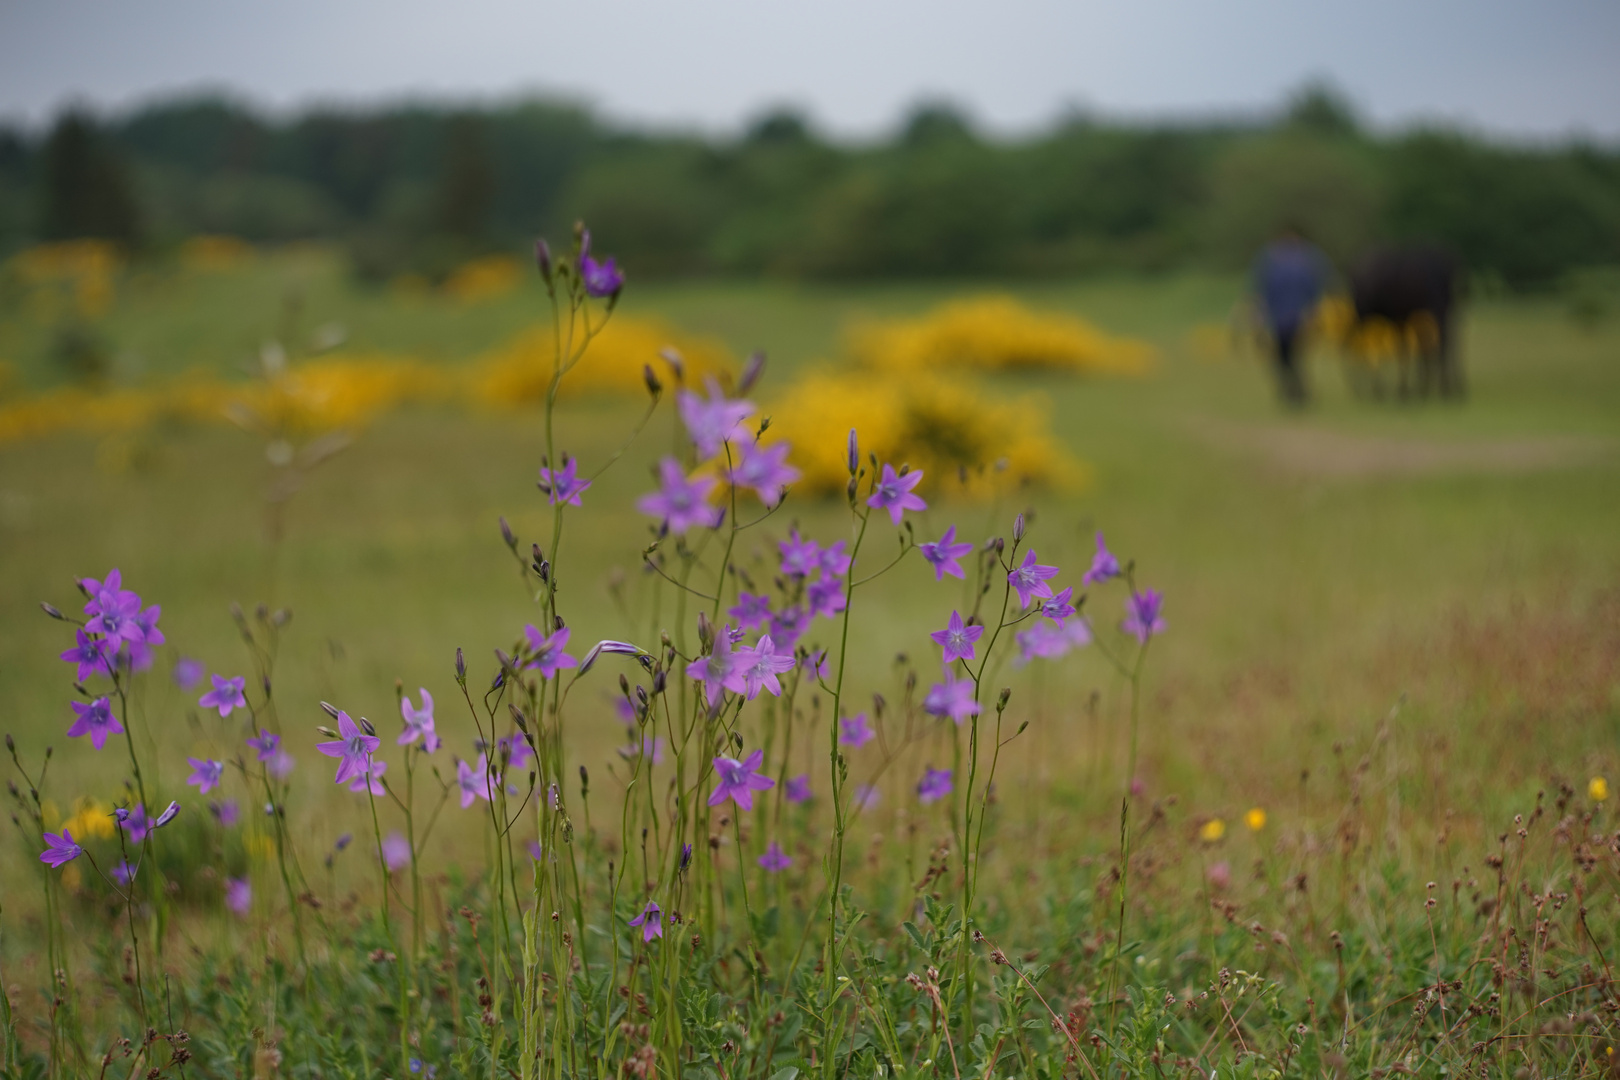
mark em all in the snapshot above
pixel 1429 589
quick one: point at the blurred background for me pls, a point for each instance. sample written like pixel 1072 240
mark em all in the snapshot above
pixel 270 329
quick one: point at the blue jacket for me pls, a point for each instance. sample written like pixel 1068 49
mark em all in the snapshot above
pixel 1289 277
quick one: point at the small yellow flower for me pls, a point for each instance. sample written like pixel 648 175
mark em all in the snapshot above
pixel 1598 789
pixel 1255 819
pixel 1212 830
pixel 91 819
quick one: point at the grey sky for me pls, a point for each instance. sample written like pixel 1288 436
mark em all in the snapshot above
pixel 1516 68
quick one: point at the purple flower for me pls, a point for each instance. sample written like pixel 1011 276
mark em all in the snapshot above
pixel 800 557
pixel 123 872
pixel 473 781
pixel 650 747
pixel 764 469
pixel 854 731
pixel 534 849
pixel 188 673
pixel 95 720
pixel 238 895
pixel 1046 642
pixel 943 555
pixel 958 639
pixel 834 560
pixel 563 485
pixel 681 502
pixel 548 654
pixel 894 494
pixel 280 765
pixel 600 278
pixel 1058 607
pixel 935 785
pixel 90 654
pixel 396 851
pixel 418 723
pixel 798 789
pixel 715 670
pixel 757 669
pixel 370 779
pixel 147 623
pixel 1029 580
pixel 134 822
pixel 612 648
pixel 60 849
pixel 952 698
pixel 814 663
pixel 225 811
pixel 651 921
pixel 226 695
pixel 712 422
pixel 739 780
pixel 1103 565
pixel 353 746
pixel 1141 615
pixel 826 597
pixel 112 609
pixel 205 774
pixel 343 841
pixel 751 611
pixel 775 858
pixel 867 796
pixel 513 750
pixel 788 626
pixel 266 745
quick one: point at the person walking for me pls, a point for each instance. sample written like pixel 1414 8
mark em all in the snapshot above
pixel 1289 278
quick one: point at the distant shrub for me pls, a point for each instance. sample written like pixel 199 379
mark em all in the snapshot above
pixel 519 372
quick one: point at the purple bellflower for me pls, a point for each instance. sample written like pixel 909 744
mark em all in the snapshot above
pixel 396 852
pixel 472 781
pixel 167 816
pixel 601 278
pixel 712 422
pixel 867 797
pixel 238 895
pixel 514 751
pixel 751 611
pixel 90 653
pixel 835 560
pixel 854 731
pixel 764 470
pixel 134 822
pixel 370 779
pixel 188 673
pixel 205 774
pixel 1141 615
pixel 798 789
pixel 800 557
pixel 548 652
pixel 651 921
pixel 952 698
pixel 1103 565
pixel 788 626
pixel 958 640
pixel 715 670
pixel 353 747
pixel 1059 607
pixel 757 669
pixel 944 555
pixel 681 501
pixel 418 723
pixel 60 849
pixel 1029 580
pixel 1046 642
pixel 226 811
pixel 826 597
pixel 775 859
pixel 739 780
pixel 894 493
pixel 95 720
pixel 935 785
pixel 226 695
pixel 563 485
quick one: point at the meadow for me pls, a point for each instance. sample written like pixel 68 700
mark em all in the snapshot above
pixel 1391 656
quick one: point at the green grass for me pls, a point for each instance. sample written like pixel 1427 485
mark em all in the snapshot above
pixel 1427 588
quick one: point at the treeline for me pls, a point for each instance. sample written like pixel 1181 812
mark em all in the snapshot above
pixel 419 188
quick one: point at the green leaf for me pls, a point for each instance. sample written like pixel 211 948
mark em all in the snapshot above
pixel 787 1073
pixel 916 935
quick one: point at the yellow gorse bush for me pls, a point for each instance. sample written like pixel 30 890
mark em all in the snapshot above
pixel 91 820
pixel 995 333
pixel 344 391
pixel 963 441
pixel 519 371
pixel 215 254
pixel 488 278
pixel 83 268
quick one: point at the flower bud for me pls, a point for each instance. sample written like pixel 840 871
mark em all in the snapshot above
pixel 654 387
pixel 585 781
pixel 878 705
pixel 705 632
pixel 686 857
pixel 673 358
pixel 1006 695
pixel 51 610
pixel 518 718
pixel 854 461
pixel 167 816
pixel 659 681
pixel 366 726
pixel 329 709
pixel 502 659
pixel 542 259
pixel 641 696
pixel 624 685
pixel 1018 528
pixel 506 534
pixel 461 666
pixel 751 371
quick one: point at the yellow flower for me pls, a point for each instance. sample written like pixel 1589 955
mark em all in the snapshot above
pixel 1598 789
pixel 1212 830
pixel 90 819
pixel 1255 819
pixel 519 372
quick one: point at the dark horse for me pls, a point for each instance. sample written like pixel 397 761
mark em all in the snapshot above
pixel 1415 290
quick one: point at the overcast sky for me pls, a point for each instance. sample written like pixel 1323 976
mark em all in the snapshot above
pixel 1512 67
